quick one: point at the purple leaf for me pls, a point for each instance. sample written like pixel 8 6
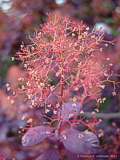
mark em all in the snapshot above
pixel 52 100
pixel 79 142
pixel 36 135
pixel 70 109
pixel 92 142
pixel 72 156
pixel 51 154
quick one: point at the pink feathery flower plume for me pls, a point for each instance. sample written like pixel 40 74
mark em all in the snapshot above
pixel 63 66
pixel 64 57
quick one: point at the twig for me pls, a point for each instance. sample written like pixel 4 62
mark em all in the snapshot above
pixel 101 115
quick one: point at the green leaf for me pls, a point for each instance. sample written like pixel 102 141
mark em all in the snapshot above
pixel 105 105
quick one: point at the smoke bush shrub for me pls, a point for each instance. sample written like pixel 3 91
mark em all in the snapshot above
pixel 63 67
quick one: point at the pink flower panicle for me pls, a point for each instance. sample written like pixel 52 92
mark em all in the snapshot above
pixel 65 56
pixel 63 67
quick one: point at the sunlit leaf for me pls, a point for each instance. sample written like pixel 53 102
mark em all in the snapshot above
pixel 79 142
pixel 35 135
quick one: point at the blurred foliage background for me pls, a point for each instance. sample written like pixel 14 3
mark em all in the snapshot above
pixel 21 18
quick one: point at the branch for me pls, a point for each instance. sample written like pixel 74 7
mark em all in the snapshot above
pixel 101 115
